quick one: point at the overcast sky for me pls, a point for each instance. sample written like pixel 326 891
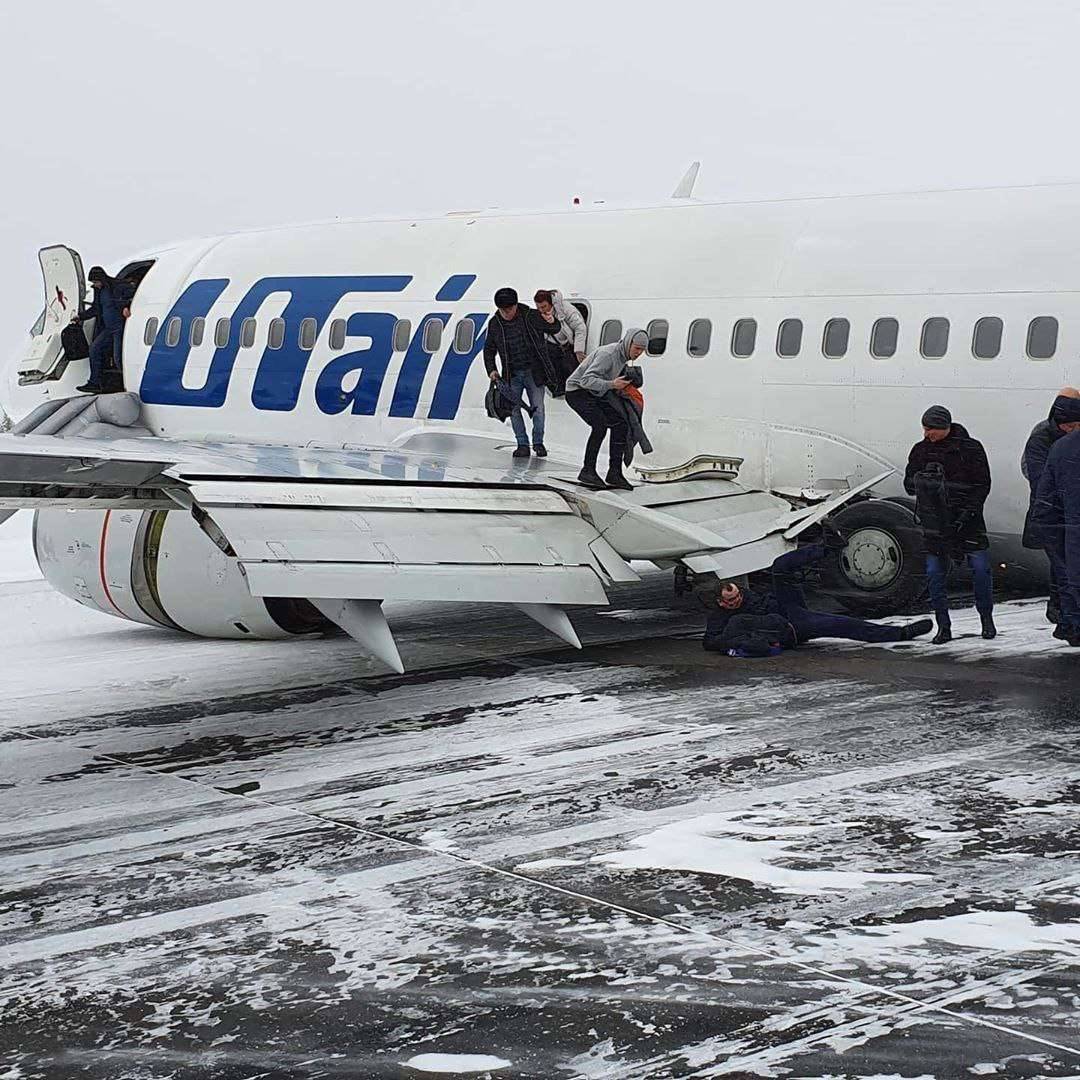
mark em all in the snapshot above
pixel 129 123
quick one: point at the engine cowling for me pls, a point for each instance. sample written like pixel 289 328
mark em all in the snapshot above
pixel 157 567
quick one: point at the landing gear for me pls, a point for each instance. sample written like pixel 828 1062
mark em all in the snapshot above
pixel 881 571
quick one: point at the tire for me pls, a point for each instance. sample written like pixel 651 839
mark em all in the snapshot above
pixel 882 571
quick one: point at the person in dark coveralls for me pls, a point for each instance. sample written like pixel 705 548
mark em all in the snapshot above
pixel 1055 525
pixel 1064 417
pixel 587 389
pixel 515 334
pixel 949 476
pixel 747 623
pixel 109 309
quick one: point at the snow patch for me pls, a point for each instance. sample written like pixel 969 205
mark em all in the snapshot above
pixel 17 561
pixel 733 845
pixel 456 1064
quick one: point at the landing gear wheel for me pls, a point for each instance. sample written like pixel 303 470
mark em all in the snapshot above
pixel 882 569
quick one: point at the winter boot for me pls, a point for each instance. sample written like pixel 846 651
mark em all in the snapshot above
pixel 615 479
pixel 989 630
pixel 591 478
pixel 90 388
pixel 540 450
pixel 521 452
pixel 944 630
pixel 916 629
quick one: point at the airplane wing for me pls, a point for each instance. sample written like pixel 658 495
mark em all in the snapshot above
pixel 442 517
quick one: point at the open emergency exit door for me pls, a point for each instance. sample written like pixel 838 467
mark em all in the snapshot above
pixel 65 289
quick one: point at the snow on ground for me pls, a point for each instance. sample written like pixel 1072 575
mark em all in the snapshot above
pixel 455 1064
pixel 17 562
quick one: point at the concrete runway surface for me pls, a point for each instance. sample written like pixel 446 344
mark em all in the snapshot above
pixel 241 860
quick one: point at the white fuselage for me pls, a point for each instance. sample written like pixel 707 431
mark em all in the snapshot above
pixel 804 421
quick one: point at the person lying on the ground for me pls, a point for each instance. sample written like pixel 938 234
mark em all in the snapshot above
pixel 746 623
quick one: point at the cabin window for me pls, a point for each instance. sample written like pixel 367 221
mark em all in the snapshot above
pixel 221 332
pixel 700 337
pixel 402 333
pixel 744 337
pixel 834 343
pixel 172 331
pixel 433 335
pixel 934 342
pixel 610 331
pixel 150 331
pixel 789 338
pixel 309 330
pixel 337 335
pixel 1042 337
pixel 464 336
pixel 247 333
pixel 275 334
pixel 883 338
pixel 658 334
pixel 986 341
pixel 195 334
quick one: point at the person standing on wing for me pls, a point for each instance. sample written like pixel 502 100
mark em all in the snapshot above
pixel 949 476
pixel 586 388
pixel 1064 418
pixel 516 335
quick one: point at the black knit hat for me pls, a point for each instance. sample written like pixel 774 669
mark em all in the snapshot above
pixel 506 297
pixel 937 416
pixel 1066 410
pixel 97 273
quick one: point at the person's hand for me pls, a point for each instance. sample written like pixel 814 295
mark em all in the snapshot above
pixel 548 316
pixel 493 376
pixel 126 313
pixel 620 383
pixel 580 356
pixel 75 317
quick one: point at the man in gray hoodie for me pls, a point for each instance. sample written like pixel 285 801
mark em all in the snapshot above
pixel 585 392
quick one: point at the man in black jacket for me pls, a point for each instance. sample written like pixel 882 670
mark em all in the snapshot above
pixel 109 309
pixel 746 623
pixel 949 476
pixel 1064 418
pixel 516 335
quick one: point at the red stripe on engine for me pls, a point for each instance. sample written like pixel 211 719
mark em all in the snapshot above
pixel 101 562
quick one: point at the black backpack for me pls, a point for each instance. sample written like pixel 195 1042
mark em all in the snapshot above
pixel 74 342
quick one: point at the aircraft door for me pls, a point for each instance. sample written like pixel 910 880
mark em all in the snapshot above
pixel 65 289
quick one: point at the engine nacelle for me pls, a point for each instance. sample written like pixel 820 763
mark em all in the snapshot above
pixel 158 567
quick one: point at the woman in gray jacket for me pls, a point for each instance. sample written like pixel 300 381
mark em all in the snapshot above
pixel 585 389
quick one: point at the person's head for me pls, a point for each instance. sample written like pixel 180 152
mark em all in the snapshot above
pixel 730 596
pixel 1066 410
pixel 936 423
pixel 97 277
pixel 544 301
pixel 634 343
pixel 506 300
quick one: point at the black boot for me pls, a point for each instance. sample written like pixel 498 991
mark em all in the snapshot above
pixel 944 631
pixel 1061 633
pixel 916 629
pixel 591 478
pixel 89 388
pixel 615 479
pixel 989 630
pixel 521 451
pixel 540 450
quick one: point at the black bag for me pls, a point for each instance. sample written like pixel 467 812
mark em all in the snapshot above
pixel 932 510
pixel 74 342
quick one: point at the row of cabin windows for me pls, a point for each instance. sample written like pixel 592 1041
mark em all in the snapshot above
pixel 464 333
pixel 1042 336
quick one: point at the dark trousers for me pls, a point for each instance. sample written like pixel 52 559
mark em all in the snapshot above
pixel 808 624
pixel 1053 603
pixel 601 418
pixel 937 574
pixel 1068 593
pixel 106 343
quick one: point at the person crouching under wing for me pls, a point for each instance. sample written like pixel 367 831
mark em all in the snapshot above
pixel 746 623
pixel 589 393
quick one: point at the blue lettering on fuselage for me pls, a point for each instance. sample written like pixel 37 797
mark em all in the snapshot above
pixel 280 372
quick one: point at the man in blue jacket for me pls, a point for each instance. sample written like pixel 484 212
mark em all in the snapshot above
pixel 109 308
pixel 1064 417
pixel 1055 525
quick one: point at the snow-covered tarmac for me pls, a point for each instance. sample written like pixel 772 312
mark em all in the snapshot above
pixel 245 859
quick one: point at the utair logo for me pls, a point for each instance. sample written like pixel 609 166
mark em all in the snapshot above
pixel 279 374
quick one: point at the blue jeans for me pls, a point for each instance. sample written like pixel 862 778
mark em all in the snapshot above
pixel 808 624
pixel 106 343
pixel 524 384
pixel 937 572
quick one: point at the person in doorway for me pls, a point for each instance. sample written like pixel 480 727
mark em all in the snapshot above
pixel 516 342
pixel 109 309
pixel 949 475
pixel 587 392
pixel 745 623
pixel 1064 418
pixel 572 323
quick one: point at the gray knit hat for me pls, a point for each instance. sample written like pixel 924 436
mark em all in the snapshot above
pixel 937 416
